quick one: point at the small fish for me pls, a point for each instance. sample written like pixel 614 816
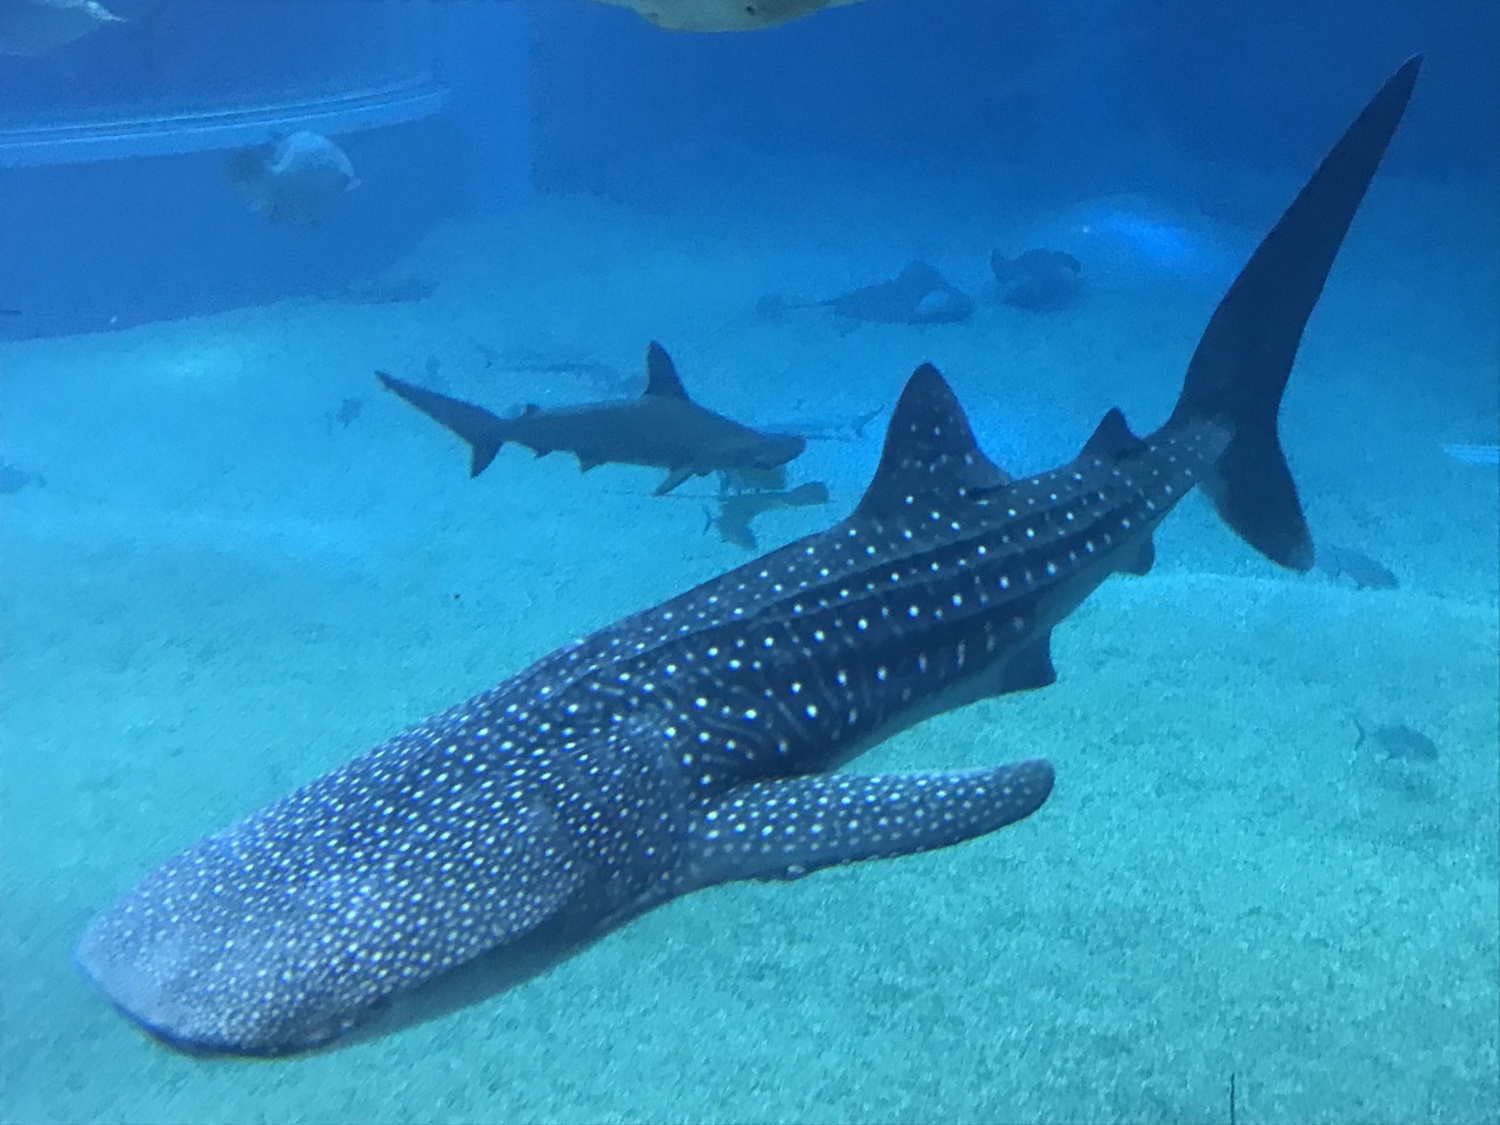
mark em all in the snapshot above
pixel 606 377
pixel 13 478
pixel 296 178
pixel 348 411
pixel 377 290
pixel 919 294
pixel 1399 743
pixel 1038 280
pixel 663 428
pixel 850 430
pixel 1473 453
pixel 736 512
pixel 1358 567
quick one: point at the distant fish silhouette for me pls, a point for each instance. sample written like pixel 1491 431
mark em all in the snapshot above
pixel 851 429
pixel 1399 743
pixel 13 478
pixel 1359 568
pixel 724 15
pixel 736 512
pixel 349 411
pixel 1473 453
pixel 297 178
pixel 1038 280
pixel 35 27
pixel 663 429
pixel 578 365
pixel 917 295
pixel 378 290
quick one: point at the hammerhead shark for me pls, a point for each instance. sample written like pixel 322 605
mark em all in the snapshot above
pixel 699 741
pixel 663 429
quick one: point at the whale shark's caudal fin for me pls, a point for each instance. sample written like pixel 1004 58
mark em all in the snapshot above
pixel 1240 369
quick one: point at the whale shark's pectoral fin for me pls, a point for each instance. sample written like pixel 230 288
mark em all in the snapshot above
pixel 784 829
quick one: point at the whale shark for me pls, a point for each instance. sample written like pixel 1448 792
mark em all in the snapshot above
pixel 701 740
pixel 663 428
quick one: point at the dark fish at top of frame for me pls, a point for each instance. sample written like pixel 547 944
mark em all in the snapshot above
pixel 663 429
pixel 695 742
pixel 29 28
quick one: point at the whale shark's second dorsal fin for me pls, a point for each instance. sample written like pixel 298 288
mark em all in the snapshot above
pixel 930 455
pixel 662 380
pixel 1112 438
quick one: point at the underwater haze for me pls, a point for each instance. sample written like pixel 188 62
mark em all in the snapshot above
pixel 1245 866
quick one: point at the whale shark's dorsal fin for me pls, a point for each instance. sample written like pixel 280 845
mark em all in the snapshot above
pixel 930 454
pixel 662 380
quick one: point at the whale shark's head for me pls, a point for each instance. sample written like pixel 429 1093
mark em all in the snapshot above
pixel 197 963
pixel 283 931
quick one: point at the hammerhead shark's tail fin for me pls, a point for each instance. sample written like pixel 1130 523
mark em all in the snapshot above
pixel 1239 372
pixel 485 432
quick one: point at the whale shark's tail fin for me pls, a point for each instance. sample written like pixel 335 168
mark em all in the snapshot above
pixel 1240 369
pixel 485 432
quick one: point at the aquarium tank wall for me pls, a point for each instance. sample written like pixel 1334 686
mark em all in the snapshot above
pixel 128 131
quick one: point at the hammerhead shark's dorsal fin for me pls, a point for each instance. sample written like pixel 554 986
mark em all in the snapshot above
pixel 661 374
pixel 930 454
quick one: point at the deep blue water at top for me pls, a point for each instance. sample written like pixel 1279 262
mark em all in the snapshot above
pixel 578 96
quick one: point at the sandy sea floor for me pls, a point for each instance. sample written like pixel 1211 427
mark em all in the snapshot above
pixel 222 591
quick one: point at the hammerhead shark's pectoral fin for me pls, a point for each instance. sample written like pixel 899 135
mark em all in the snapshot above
pixel 783 829
pixel 674 478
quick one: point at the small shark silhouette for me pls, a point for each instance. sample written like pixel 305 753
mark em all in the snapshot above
pixel 917 295
pixel 690 744
pixel 662 429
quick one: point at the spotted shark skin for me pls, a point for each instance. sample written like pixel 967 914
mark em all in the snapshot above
pixel 691 744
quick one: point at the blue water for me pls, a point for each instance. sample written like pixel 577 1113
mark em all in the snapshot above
pixel 215 585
